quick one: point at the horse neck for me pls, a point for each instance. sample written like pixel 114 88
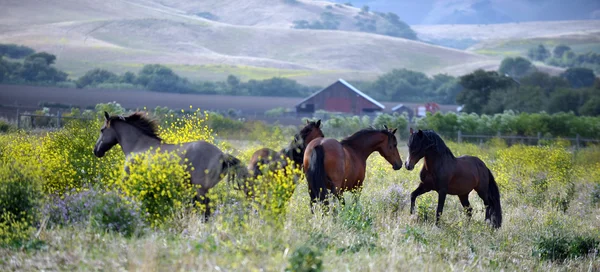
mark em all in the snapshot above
pixel 132 139
pixel 433 157
pixel 364 146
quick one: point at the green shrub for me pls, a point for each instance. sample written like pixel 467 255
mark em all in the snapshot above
pixel 561 247
pixel 305 259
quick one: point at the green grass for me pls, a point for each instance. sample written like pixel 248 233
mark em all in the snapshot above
pixel 513 48
pixel 374 234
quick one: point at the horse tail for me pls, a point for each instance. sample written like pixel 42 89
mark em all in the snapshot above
pixel 494 198
pixel 232 166
pixel 315 174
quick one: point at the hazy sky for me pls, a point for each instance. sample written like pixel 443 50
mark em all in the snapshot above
pixel 484 11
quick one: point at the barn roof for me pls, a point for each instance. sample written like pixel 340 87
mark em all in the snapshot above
pixel 349 87
pixel 397 107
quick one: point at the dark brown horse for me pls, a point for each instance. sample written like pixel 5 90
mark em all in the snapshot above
pixel 294 152
pixel 340 166
pixel 446 174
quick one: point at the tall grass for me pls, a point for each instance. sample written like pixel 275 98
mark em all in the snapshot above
pixel 373 232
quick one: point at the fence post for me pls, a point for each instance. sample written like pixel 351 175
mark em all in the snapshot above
pixel 459 137
pixel 58 115
pixel 18 119
pixel 577 141
pixel 539 134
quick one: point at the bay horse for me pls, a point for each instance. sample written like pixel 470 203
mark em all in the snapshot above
pixel 294 151
pixel 446 174
pixel 137 134
pixel 340 166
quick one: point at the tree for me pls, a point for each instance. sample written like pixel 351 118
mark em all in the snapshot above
pixel 478 87
pixel 591 107
pixel 579 77
pixel 538 53
pixel 49 58
pixel 516 67
pixel 559 50
pixel 543 80
pixel 15 51
pixel 128 77
pixel 95 77
pixel 565 100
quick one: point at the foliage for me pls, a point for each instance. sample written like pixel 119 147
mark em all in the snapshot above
pixel 537 181
pixel 20 196
pixel 539 53
pixel 6 126
pixel 516 67
pixel 579 77
pixel 103 210
pixel 305 259
pixel 477 89
pixel 36 68
pixel 560 247
pixel 160 182
pixel 15 51
pixel 328 21
pixel 509 123
pixel 95 77
pixel 188 127
pixel 560 50
pixel 407 85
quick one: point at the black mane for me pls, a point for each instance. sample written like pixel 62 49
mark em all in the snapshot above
pixel 350 140
pixel 438 143
pixel 141 122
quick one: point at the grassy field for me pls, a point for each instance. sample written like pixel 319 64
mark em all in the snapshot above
pixel 550 210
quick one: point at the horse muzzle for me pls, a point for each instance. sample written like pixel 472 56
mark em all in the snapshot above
pixel 409 166
pixel 397 166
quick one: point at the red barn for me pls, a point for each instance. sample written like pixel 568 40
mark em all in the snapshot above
pixel 340 97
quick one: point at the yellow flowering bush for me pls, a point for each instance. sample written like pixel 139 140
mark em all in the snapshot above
pixel 273 190
pixel 187 128
pixel 67 159
pixel 159 182
pixel 536 173
pixel 19 199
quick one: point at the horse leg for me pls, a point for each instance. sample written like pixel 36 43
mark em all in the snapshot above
pixel 413 196
pixel 464 200
pixel 441 201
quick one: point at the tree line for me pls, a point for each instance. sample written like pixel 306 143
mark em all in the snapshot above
pixel 563 56
pixel 519 86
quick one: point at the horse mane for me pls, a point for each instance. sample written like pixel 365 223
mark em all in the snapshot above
pixel 305 131
pixel 351 140
pixel 140 121
pixel 438 142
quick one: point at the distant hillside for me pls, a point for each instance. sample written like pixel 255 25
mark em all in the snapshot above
pixel 123 35
pixel 485 11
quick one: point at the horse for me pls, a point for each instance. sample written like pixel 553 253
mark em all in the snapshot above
pixel 279 160
pixel 137 134
pixel 294 151
pixel 340 166
pixel 447 174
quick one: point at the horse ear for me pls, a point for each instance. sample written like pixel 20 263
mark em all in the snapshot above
pixel 394 131
pixel 106 116
pixel 411 131
pixel 319 123
pixel 307 121
pixel 385 126
pixel 420 132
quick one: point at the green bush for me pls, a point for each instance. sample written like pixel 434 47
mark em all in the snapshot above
pixel 305 259
pixel 561 247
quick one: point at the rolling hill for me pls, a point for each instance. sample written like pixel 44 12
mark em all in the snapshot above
pixel 250 39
